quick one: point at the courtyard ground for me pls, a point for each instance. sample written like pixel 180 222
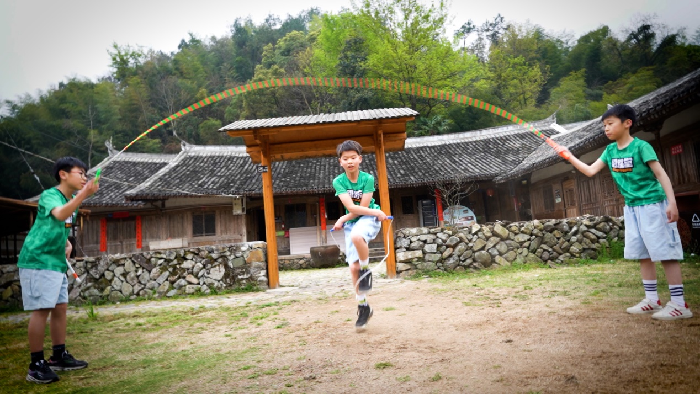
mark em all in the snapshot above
pixel 521 329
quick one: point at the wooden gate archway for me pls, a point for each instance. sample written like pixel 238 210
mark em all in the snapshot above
pixel 300 137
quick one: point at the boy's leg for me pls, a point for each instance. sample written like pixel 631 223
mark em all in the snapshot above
pixel 677 308
pixel 36 330
pixel 650 303
pixel 58 325
pixel 61 360
pixel 361 246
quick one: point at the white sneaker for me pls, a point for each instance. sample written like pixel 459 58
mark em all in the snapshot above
pixel 672 311
pixel 645 306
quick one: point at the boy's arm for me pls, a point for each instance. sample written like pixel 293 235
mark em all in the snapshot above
pixel 665 181
pixel 362 209
pixel 588 170
pixel 64 211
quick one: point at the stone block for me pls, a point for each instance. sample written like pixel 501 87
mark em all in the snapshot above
pixel 408 256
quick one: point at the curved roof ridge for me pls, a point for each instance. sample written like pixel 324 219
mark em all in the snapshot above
pixel 477 135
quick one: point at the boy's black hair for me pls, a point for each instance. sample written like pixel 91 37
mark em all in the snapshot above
pixel 348 145
pixel 622 112
pixel 67 164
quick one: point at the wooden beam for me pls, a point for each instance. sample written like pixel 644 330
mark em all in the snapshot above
pixel 269 208
pixel 323 148
pixel 385 203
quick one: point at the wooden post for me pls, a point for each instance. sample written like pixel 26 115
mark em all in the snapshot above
pixel 386 202
pixel 103 235
pixel 322 214
pixel 269 208
pixel 139 239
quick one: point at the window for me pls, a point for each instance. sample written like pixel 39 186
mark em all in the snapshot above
pixel 407 205
pixel 548 198
pixel 334 210
pixel 203 224
pixel 294 215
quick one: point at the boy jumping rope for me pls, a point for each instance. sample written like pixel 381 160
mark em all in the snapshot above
pixel 42 269
pixel 361 222
pixel 651 233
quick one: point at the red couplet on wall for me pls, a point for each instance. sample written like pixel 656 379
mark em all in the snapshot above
pixel 103 235
pixel 138 232
pixel 438 204
pixel 322 209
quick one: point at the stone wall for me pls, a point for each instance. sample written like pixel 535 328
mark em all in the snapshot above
pixel 162 273
pixel 303 261
pixel 481 246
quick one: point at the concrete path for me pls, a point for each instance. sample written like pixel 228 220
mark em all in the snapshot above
pixel 294 285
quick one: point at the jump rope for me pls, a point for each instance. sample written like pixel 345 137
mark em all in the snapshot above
pixel 379 264
pixel 368 83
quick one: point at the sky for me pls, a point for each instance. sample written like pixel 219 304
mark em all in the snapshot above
pixel 43 42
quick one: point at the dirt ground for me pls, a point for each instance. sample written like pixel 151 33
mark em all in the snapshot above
pixel 427 339
pixel 429 336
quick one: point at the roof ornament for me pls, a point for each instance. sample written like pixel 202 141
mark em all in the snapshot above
pixel 610 106
pixel 110 147
pixel 185 145
pixel 558 128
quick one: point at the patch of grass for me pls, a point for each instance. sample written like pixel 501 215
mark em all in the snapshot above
pixel 270 372
pixel 383 365
pixel 404 379
pixel 389 308
pixel 435 377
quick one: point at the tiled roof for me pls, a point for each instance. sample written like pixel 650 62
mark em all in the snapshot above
pixel 123 174
pixel 350 116
pixel 227 170
pixel 587 136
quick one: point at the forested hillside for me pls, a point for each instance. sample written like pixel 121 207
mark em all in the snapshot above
pixel 525 69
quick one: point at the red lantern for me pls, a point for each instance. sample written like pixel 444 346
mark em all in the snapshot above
pixel 490 192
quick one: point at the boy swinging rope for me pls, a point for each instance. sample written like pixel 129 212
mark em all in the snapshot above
pixel 42 269
pixel 651 214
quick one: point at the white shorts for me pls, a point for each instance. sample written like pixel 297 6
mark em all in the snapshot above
pixel 649 235
pixel 368 227
pixel 42 289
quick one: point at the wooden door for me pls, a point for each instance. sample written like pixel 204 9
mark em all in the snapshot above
pixel 570 201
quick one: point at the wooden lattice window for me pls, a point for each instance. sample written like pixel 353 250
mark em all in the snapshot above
pixel 203 224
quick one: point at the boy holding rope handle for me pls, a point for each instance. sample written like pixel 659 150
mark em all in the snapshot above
pixel 42 268
pixel 361 222
pixel 651 214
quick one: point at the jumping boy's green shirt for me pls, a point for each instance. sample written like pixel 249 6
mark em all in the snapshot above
pixel 630 170
pixel 45 245
pixel 364 184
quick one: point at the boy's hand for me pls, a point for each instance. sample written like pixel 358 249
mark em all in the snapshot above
pixel 672 213
pixel 560 148
pixel 69 249
pixel 381 215
pixel 90 188
pixel 338 224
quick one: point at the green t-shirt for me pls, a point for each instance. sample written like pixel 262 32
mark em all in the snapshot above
pixel 45 245
pixel 630 170
pixel 364 184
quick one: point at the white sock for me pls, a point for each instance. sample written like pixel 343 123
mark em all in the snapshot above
pixel 677 294
pixel 650 290
pixel 361 299
pixel 364 264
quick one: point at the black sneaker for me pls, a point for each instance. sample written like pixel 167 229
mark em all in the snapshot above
pixel 364 313
pixel 41 373
pixel 66 363
pixel 365 281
